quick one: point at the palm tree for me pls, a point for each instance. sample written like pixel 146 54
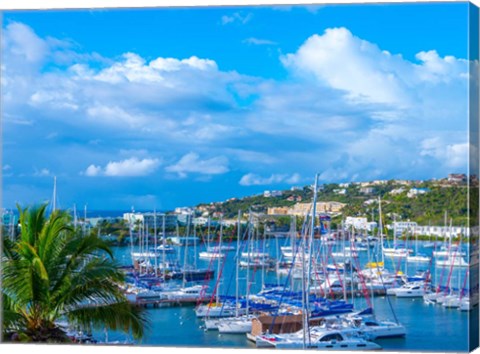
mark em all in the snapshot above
pixel 51 272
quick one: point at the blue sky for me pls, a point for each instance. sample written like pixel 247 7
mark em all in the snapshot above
pixel 157 108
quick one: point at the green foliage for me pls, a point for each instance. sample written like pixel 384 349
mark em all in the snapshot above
pixel 425 209
pixel 51 272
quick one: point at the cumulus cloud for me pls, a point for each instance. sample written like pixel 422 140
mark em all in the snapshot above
pixel 346 108
pixel 132 167
pixel 364 71
pixel 251 179
pixel 191 163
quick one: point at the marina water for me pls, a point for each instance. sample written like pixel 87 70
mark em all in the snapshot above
pixel 429 327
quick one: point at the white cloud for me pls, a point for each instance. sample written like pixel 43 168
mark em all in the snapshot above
pixel 93 171
pixel 44 172
pixel 132 167
pixel 365 72
pixel 342 97
pixel 252 156
pixel 24 44
pixel 7 167
pixel 258 41
pixel 237 17
pixel 252 179
pixel 191 163
pixel 453 155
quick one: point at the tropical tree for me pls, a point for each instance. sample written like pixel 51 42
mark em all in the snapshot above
pixel 51 272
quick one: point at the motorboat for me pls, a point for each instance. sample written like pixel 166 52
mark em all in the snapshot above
pixel 452 261
pixel 215 310
pixel 419 258
pixel 192 294
pixel 411 290
pixel 211 255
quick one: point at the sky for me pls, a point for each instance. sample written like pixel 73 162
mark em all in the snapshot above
pixel 159 108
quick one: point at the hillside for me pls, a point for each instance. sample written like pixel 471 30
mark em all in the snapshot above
pixel 434 198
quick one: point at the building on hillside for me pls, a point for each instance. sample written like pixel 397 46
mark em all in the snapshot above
pixel 359 223
pixel 295 198
pixel 380 182
pixel 442 231
pixel 184 210
pixel 341 191
pixel 133 218
pixel 278 211
pixel 400 227
pixel 269 194
pixel 367 190
pixel 397 191
pixel 150 219
pixel 371 225
pixel 457 178
pixel 403 182
pixel 200 221
pixel 413 192
pixel 370 201
pixel 302 209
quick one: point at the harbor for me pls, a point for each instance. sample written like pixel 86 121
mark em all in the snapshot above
pixel 275 177
pixel 282 290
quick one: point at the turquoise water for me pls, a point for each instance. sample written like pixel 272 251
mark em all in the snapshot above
pixel 429 327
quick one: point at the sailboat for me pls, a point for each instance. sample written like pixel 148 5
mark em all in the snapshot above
pixel 212 253
pixel 418 257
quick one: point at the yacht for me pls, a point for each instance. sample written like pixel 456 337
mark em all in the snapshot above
pixel 411 290
pixel 193 293
pixel 319 338
pixel 452 261
pixel 236 325
pixel 211 255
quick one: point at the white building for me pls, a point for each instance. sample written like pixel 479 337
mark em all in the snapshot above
pixel 367 190
pixel 268 194
pixel 397 191
pixel 400 226
pixel 133 218
pixel 359 223
pixel 442 231
pixel 202 221
pixel 417 191
pixel 371 225
pixel 183 210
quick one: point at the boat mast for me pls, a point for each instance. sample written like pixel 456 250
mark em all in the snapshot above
pixel 248 255
pixel 185 251
pixel 130 227
pixel 237 264
pixel 310 254
pixel 219 260
pixel 380 227
pixel 164 243
pixel 155 244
